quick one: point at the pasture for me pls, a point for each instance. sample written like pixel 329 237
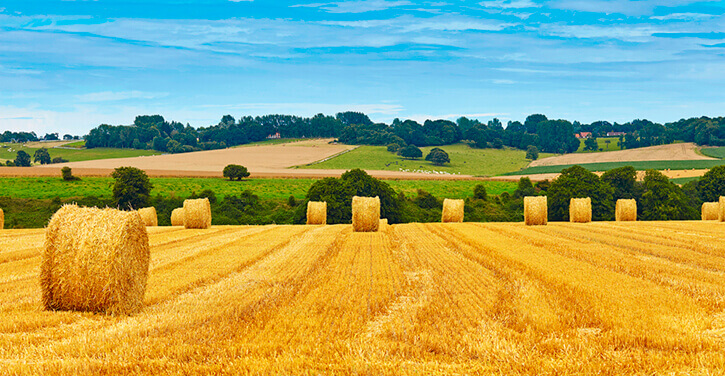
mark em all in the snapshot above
pixel 9 151
pixel 612 145
pixel 471 298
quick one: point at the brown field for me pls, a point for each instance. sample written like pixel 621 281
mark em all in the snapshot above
pixel 671 174
pixel 673 152
pixel 597 298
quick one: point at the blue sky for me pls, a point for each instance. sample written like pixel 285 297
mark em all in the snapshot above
pixel 68 66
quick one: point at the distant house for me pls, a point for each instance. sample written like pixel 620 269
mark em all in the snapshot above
pixel 583 135
pixel 276 135
pixel 615 134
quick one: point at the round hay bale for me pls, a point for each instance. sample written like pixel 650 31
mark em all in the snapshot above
pixel 452 211
pixel 710 211
pixel 95 260
pixel 365 214
pixel 2 219
pixel 197 213
pixel 177 217
pixel 317 213
pixel 721 208
pixel 580 210
pixel 535 210
pixel 626 210
pixel 148 216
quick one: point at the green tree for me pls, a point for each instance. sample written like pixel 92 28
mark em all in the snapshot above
pixel 235 172
pixel 532 152
pixel 42 156
pixel 664 200
pixel 525 188
pixel 438 157
pixel 338 193
pixel 479 192
pixel 132 188
pixel 410 152
pixel 590 144
pixel 393 148
pixel 426 200
pixel 712 185
pixel 577 182
pixel 22 159
pixel 624 182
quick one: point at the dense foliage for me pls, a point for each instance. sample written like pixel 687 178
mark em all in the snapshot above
pixel 132 188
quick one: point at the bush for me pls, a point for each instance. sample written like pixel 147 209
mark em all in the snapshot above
pixel 59 160
pixel 235 172
pixel 438 156
pixel 67 174
pixel 22 159
pixel 712 185
pixel 393 148
pixel 532 152
pixel 207 193
pixel 42 156
pixel 292 201
pixel 479 192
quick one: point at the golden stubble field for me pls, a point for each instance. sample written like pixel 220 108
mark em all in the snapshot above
pixel 604 298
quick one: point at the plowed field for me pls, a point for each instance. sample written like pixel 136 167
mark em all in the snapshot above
pixel 597 298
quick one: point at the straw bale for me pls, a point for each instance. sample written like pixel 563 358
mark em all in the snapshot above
pixel 535 210
pixel 710 211
pixel 2 219
pixel 721 211
pixel 365 214
pixel 95 260
pixel 626 210
pixel 177 217
pixel 383 222
pixel 148 216
pixel 197 213
pixel 580 210
pixel 452 210
pixel 317 213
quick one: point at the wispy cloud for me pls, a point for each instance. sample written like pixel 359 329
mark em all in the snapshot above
pixel 109 96
pixel 356 6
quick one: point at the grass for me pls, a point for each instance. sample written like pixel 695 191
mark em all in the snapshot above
pixel 613 145
pixel 716 152
pixel 47 187
pixel 464 160
pixel 639 165
pixel 74 155
pixel 78 144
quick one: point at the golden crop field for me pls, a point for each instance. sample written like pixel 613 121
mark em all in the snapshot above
pixel 605 298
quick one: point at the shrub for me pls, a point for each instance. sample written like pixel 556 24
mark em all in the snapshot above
pixel 67 174
pixel 235 172
pixel 132 187
pixel 532 152
pixel 479 192
pixel 410 152
pixel 438 156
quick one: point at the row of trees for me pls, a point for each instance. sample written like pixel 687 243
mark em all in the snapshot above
pixel 23 137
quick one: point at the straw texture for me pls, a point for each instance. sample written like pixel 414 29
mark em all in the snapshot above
pixel 626 210
pixel 580 210
pixel 94 260
pixel 197 213
pixel 452 210
pixel 148 216
pixel 721 207
pixel 177 217
pixel 710 211
pixel 2 219
pixel 535 210
pixel 317 213
pixel 365 214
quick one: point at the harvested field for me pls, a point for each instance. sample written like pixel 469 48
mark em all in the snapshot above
pixel 601 298
pixel 674 152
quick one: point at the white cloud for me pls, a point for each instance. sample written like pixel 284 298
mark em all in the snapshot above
pixel 506 4
pixel 683 16
pixel 109 96
pixel 356 6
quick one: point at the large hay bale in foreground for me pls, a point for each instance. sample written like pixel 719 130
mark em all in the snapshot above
pixel 721 207
pixel 536 210
pixel 95 260
pixel 148 216
pixel 317 212
pixel 177 217
pixel 452 211
pixel 626 210
pixel 197 213
pixel 2 219
pixel 710 211
pixel 365 214
pixel 580 210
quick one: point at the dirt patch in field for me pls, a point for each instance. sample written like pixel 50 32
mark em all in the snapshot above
pixel 672 152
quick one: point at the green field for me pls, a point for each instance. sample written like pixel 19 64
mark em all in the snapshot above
pixel 639 165
pixel 47 187
pixel 77 144
pixel 717 152
pixel 74 155
pixel 464 160
pixel 602 142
